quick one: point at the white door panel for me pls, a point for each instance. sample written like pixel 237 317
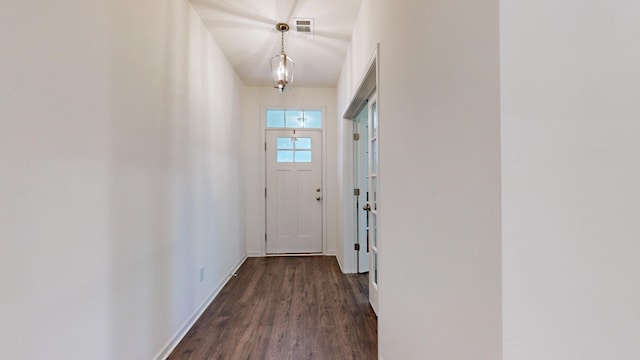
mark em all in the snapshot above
pixel 294 191
pixel 361 174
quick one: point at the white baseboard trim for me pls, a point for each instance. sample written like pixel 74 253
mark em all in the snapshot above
pixel 293 255
pixel 340 263
pixel 180 334
pixel 251 254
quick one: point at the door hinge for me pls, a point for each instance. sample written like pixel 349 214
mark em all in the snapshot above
pixel 356 192
pixel 265 146
pixel 356 137
pixel 265 192
pixel 265 237
pixel 357 247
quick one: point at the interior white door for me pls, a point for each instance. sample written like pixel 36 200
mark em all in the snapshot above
pixel 361 182
pixel 294 191
pixel 372 204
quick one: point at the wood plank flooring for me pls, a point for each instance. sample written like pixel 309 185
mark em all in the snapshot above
pixel 286 308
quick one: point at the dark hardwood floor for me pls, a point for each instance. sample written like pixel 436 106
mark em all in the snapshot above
pixel 286 308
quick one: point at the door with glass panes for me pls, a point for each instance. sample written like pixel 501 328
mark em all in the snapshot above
pixel 294 190
pixel 372 205
pixel 361 183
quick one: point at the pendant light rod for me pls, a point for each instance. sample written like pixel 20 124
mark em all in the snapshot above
pixel 283 28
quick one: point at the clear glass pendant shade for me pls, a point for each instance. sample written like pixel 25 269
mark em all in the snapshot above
pixel 281 65
pixel 282 68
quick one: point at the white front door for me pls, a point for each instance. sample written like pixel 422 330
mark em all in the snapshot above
pixel 294 191
pixel 372 204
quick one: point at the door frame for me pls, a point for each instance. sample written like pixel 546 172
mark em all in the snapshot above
pixel 263 171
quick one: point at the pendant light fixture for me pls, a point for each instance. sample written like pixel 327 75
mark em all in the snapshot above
pixel 281 65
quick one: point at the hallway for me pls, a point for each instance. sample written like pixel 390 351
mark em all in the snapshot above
pixel 286 308
pixel 133 179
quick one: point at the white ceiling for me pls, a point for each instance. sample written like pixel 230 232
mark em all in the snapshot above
pixel 245 30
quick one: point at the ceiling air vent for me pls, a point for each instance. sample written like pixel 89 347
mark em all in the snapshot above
pixel 303 27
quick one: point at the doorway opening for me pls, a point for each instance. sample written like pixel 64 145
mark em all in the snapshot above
pixel 365 225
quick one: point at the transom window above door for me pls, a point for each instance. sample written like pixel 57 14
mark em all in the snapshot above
pixel 294 119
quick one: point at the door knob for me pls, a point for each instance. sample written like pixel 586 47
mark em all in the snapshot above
pixel 366 207
pixel 318 198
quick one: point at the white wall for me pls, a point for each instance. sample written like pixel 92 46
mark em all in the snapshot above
pixel 571 219
pixel 254 101
pixel 120 176
pixel 439 201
